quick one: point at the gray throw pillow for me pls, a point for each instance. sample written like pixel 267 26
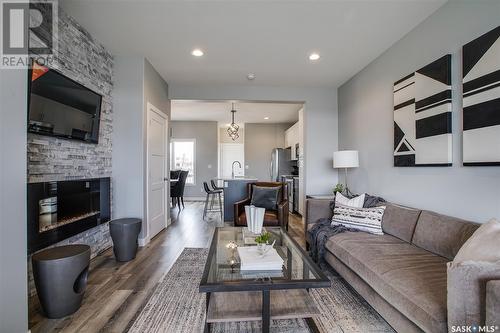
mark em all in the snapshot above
pixel 265 197
pixel 373 201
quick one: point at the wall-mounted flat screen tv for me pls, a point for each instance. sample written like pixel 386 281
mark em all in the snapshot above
pixel 61 107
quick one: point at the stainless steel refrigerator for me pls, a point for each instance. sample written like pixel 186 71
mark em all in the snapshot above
pixel 280 164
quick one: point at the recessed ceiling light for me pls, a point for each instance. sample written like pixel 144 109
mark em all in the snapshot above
pixel 251 76
pixel 266 118
pixel 314 56
pixel 197 52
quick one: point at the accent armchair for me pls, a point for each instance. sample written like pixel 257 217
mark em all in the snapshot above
pixel 272 218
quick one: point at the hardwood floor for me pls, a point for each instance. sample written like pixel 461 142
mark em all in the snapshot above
pixel 116 291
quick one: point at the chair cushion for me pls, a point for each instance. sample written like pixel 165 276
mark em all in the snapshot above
pixel 265 197
pixel 441 234
pixel 411 279
pixel 270 218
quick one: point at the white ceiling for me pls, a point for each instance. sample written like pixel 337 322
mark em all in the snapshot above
pixel 269 38
pixel 246 112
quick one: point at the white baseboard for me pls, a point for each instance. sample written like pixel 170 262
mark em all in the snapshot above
pixel 143 241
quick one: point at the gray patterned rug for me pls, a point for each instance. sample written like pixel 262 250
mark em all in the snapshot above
pixel 175 305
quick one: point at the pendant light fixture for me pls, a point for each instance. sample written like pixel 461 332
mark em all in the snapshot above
pixel 233 128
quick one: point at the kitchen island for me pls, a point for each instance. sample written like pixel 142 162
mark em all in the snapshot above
pixel 235 189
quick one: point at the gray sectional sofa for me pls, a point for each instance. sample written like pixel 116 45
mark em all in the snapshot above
pixel 404 274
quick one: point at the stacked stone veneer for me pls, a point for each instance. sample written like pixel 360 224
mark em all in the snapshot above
pixel 86 61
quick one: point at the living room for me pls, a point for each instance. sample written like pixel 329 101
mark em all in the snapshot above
pixel 370 131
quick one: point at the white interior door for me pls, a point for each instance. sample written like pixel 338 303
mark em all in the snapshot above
pixel 231 152
pixel 157 166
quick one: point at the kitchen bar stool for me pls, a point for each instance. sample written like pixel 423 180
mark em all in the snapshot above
pixel 215 186
pixel 209 201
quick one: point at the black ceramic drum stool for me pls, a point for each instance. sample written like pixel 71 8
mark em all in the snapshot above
pixel 60 275
pixel 124 233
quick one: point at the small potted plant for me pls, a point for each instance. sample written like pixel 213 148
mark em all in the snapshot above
pixel 338 188
pixel 263 242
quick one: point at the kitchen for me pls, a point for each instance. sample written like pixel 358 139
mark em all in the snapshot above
pixel 267 145
pixel 294 137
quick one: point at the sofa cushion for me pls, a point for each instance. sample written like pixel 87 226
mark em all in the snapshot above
pixel 400 221
pixel 411 279
pixel 441 234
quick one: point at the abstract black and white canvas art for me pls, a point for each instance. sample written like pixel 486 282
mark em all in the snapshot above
pixel 422 116
pixel 481 100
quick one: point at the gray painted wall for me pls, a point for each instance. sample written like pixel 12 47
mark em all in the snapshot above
pixel 260 140
pixel 128 137
pixel 320 123
pixel 13 231
pixel 136 84
pixel 205 134
pixel 366 119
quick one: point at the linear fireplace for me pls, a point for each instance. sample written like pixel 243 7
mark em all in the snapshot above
pixel 58 210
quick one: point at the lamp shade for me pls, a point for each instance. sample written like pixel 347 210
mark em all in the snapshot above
pixel 345 159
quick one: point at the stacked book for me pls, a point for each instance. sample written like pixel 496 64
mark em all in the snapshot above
pixel 252 260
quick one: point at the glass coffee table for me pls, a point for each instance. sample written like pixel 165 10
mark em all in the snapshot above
pixel 235 295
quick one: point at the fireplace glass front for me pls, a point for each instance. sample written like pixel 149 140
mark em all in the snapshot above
pixel 58 210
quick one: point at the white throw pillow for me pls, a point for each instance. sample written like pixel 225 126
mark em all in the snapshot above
pixel 363 219
pixel 483 245
pixel 357 202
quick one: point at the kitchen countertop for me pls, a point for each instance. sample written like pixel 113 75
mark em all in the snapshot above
pixel 237 178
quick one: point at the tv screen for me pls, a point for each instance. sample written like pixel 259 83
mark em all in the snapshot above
pixel 61 107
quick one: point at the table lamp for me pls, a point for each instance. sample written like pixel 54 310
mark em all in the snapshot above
pixel 345 159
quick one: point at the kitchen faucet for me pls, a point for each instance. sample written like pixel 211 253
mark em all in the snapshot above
pixel 232 168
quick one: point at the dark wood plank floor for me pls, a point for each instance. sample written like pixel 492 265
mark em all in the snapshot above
pixel 116 291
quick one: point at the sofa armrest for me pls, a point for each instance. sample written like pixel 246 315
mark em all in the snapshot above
pixel 239 207
pixel 467 292
pixel 493 303
pixel 316 209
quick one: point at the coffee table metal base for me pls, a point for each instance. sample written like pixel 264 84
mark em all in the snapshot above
pixel 260 305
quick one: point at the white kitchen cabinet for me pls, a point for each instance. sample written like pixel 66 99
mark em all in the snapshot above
pixel 287 138
pixel 292 139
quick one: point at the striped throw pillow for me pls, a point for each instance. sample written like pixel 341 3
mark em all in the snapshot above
pixel 363 219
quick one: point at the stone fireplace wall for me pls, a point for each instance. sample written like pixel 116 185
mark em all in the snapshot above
pixel 83 59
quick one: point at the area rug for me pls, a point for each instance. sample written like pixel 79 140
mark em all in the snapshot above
pixel 175 305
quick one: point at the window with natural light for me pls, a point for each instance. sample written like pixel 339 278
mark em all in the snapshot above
pixel 182 157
